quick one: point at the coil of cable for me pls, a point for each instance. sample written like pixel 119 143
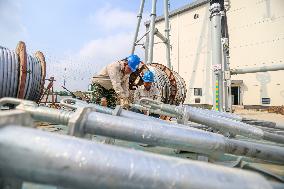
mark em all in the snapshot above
pixel 172 86
pixel 8 73
pixel 21 75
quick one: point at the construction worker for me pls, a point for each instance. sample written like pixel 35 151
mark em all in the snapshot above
pixel 103 102
pixel 147 90
pixel 113 82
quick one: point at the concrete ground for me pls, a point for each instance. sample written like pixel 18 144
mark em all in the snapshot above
pixel 261 115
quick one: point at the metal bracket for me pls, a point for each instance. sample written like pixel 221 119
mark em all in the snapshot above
pixel 227 75
pixel 184 118
pixel 77 122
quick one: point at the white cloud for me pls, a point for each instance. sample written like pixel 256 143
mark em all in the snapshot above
pixel 91 58
pixel 118 27
pixel 103 50
pixel 12 29
pixel 111 18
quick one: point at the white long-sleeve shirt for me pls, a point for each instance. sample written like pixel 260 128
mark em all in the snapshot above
pixel 112 77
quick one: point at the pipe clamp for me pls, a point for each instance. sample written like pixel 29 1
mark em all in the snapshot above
pixel 77 122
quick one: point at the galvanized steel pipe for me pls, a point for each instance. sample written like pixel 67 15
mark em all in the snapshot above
pixel 75 103
pixel 173 136
pixel 46 158
pixel 167 33
pixel 222 114
pixel 156 133
pixel 232 126
pixel 139 16
pixel 212 120
pixel 215 19
pixel 152 32
pixel 258 69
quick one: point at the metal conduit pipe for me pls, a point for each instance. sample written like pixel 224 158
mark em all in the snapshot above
pixel 222 114
pixel 232 126
pixel 211 120
pixel 186 138
pixel 46 158
pixel 268 124
pixel 258 69
pixel 154 133
pixel 75 103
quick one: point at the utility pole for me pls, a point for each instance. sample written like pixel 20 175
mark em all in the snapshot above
pixel 167 33
pixel 226 57
pixel 139 16
pixel 217 54
pixel 152 32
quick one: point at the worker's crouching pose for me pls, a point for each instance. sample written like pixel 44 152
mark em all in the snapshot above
pixel 113 82
pixel 147 90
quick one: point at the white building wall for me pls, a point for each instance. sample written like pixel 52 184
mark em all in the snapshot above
pixel 191 56
pixel 256 30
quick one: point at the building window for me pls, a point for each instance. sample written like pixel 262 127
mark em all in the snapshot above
pixel 197 91
pixel 197 100
pixel 265 100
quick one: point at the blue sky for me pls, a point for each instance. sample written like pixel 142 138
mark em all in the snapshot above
pixel 79 35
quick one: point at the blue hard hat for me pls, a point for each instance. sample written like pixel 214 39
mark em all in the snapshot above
pixel 148 77
pixel 133 62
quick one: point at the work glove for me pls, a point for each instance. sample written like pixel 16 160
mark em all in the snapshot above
pixel 124 103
